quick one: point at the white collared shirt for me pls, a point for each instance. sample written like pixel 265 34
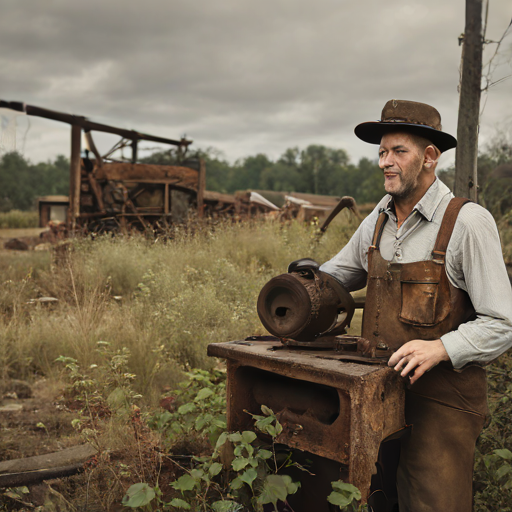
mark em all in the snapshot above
pixel 474 263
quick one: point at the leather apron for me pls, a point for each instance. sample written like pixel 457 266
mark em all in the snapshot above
pixel 447 408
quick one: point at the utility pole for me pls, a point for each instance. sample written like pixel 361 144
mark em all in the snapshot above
pixel 466 179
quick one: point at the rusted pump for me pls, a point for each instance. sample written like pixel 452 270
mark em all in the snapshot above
pixel 305 304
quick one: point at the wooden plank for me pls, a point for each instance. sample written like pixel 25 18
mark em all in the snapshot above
pixel 75 175
pixel 134 151
pixel 166 199
pixel 84 123
pixel 92 147
pixel 97 191
pixel 200 188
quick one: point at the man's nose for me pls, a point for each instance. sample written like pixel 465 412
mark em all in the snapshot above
pixel 385 161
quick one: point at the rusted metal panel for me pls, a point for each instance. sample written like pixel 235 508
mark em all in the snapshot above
pixel 335 409
pixel 180 202
pixel 120 171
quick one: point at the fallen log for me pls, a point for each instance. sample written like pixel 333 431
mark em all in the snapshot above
pixel 31 470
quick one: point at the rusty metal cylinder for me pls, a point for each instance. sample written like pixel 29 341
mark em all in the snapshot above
pixel 304 305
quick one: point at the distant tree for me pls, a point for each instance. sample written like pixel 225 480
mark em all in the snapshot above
pixel 21 182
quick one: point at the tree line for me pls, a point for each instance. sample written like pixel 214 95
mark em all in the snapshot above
pixel 317 169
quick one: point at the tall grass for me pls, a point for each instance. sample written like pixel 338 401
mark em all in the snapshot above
pixel 16 219
pixel 164 300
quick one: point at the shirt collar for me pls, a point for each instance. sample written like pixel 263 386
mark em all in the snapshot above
pixel 430 201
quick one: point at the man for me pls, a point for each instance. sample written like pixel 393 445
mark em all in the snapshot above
pixel 438 295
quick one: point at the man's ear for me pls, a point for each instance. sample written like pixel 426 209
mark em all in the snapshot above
pixel 431 156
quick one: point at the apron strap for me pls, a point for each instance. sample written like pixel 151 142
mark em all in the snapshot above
pixel 447 225
pixel 379 228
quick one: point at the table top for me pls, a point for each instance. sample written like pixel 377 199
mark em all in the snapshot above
pixel 271 353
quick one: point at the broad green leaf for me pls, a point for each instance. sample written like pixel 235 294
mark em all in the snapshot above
pixel 200 422
pixel 177 503
pixel 236 483
pixel 239 463
pixel 243 448
pixel 504 453
pixel 220 423
pixel 276 488
pixel 248 436
pixel 249 476
pixel 204 393
pixel 221 440
pixel 279 427
pixel 266 410
pixel 184 483
pixel 186 408
pixel 503 470
pixel 271 430
pixel 197 474
pixel 235 437
pixel 215 469
pixel 265 454
pixel 138 495
pixel 336 498
pixel 265 420
pixel 347 488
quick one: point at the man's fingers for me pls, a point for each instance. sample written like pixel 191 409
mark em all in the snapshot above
pixel 420 370
pixel 400 354
pixel 413 363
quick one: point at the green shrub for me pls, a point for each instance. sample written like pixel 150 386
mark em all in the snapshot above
pixel 16 219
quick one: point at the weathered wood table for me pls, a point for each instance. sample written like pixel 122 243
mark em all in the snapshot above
pixel 329 407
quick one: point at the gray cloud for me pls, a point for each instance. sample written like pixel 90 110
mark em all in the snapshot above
pixel 243 76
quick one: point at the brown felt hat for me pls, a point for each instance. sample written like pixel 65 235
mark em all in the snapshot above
pixel 408 116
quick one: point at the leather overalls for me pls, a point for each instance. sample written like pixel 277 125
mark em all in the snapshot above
pixel 446 407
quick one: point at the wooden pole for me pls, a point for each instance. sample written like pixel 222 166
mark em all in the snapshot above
pixel 466 179
pixel 75 175
pixel 166 199
pixel 201 185
pixel 134 151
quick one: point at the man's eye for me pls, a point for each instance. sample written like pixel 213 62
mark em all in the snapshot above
pixel 381 154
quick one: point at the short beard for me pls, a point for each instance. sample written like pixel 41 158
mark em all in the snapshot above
pixel 404 193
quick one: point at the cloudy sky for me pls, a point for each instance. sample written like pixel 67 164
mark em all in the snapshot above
pixel 243 76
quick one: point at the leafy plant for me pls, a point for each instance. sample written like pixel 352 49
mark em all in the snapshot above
pixel 493 462
pixel 199 408
pixel 241 473
pixel 344 495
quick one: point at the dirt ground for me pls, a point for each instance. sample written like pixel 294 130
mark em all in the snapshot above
pixel 33 425
pixel 31 236
pixel 36 425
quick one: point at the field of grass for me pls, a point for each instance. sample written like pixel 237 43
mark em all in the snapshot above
pixel 16 219
pixel 164 301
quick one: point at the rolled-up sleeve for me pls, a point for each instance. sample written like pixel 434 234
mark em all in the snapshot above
pixel 474 262
pixel 350 265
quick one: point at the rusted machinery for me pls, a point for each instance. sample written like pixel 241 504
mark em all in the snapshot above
pixel 109 195
pixel 333 393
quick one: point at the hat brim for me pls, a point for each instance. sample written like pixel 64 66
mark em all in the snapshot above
pixel 373 131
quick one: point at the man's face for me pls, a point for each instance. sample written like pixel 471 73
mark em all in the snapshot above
pixel 401 160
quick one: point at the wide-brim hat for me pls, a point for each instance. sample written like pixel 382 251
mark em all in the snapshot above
pixel 408 116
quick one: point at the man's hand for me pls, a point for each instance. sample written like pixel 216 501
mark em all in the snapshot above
pixel 418 355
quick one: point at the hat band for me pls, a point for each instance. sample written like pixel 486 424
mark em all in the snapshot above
pixel 410 121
